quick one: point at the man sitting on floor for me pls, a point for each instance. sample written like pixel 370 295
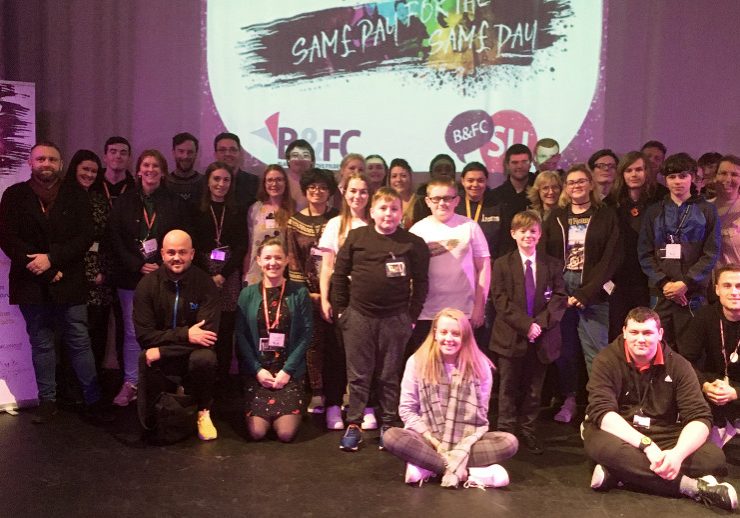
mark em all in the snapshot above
pixel 176 313
pixel 637 389
pixel 711 344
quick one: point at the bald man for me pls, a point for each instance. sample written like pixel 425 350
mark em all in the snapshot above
pixel 176 315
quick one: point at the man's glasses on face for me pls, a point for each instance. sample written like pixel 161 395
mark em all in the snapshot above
pixel 233 150
pixel 437 199
pixel 299 156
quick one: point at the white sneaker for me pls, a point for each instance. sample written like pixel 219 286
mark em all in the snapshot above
pixel 415 474
pixel 316 405
pixel 567 411
pixel 334 418
pixel 126 395
pixel 490 476
pixel 368 419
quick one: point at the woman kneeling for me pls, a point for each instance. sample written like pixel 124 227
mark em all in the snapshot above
pixel 444 406
pixel 273 329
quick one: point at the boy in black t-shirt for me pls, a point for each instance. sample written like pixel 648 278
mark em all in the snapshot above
pixel 378 289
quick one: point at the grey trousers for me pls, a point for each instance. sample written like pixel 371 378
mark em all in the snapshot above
pixel 374 348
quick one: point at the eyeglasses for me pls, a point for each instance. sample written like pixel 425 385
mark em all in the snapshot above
pixel 606 167
pixel 227 150
pixel 576 183
pixel 550 188
pixel 317 188
pixel 299 156
pixel 437 199
pixel 274 180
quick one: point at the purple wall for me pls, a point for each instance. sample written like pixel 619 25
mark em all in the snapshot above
pixel 105 67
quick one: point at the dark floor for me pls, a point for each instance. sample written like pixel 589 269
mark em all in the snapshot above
pixel 73 468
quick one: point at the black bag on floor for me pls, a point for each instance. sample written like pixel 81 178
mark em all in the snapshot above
pixel 175 418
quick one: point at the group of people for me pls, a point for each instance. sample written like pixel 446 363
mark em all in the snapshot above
pixel 323 286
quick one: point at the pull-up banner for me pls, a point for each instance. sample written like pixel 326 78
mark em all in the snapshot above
pixel 17 135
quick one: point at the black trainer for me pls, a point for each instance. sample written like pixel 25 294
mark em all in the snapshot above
pixel 722 495
pixel 45 412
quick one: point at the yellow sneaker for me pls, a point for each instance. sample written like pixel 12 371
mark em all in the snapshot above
pixel 206 430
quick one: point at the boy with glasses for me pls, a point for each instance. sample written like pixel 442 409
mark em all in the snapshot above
pixel 459 266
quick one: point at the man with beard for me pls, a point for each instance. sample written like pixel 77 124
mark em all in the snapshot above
pixel 511 196
pixel 45 231
pixel 228 149
pixel 176 315
pixel 185 181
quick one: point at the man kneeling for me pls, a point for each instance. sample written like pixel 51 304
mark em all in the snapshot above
pixel 176 310
pixel 637 389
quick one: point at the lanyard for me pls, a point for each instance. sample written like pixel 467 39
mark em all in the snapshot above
pixel 44 209
pixel 477 211
pixel 177 303
pixel 264 307
pixel 219 226
pixel 733 356
pixel 107 192
pixel 149 224
pixel 316 233
pixel 680 223
pixel 640 394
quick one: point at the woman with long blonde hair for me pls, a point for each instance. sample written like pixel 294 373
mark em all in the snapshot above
pixel 445 392
pixel 353 214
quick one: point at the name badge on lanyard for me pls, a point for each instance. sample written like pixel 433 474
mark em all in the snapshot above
pixel 395 267
pixel 148 248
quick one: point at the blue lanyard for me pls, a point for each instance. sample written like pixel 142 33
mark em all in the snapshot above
pixel 177 303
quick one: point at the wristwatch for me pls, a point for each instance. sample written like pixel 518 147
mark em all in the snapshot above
pixel 645 442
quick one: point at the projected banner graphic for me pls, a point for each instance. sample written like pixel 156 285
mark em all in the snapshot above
pixel 406 78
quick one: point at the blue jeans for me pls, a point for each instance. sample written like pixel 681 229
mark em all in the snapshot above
pixel 41 320
pixel 131 347
pixel 587 328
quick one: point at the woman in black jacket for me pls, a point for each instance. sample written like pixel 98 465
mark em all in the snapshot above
pixel 584 233
pixel 136 225
pixel 220 239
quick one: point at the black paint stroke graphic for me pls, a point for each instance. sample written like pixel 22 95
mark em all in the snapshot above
pixel 268 51
pixel 13 128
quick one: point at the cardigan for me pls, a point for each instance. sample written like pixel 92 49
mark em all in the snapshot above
pixel 301 328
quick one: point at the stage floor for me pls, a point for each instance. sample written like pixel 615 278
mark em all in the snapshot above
pixel 73 468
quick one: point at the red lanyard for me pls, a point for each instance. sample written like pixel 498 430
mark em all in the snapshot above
pixel 107 193
pixel 149 224
pixel 219 226
pixel 264 306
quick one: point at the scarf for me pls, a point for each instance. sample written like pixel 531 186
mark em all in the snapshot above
pixel 46 193
pixel 452 413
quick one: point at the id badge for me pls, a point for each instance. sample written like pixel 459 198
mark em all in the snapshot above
pixel 640 421
pixel 148 248
pixel 671 251
pixel 218 254
pixel 270 223
pixel 608 287
pixel 395 268
pixel 94 247
pixel 274 342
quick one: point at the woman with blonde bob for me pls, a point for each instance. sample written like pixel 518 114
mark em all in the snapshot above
pixel 544 193
pixel 445 392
